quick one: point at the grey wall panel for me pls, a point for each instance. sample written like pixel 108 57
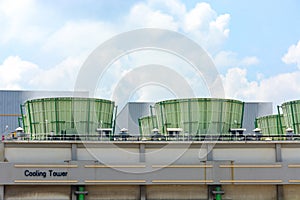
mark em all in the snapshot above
pixel 122 119
pixel 244 155
pixel 253 110
pixel 129 115
pixel 37 154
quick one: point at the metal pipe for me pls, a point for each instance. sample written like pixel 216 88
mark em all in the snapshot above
pixel 29 118
pixel 293 118
pixel 152 118
pixel 114 123
pixel 218 194
pixel 81 195
pixel 280 122
pixel 242 118
pixel 88 116
pixel 23 120
pixel 140 128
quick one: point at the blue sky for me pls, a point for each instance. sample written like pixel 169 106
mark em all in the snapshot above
pixel 254 44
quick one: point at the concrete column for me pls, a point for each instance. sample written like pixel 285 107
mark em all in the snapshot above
pixel 209 192
pixel 142 153
pixel 74 152
pixel 279 191
pixel 209 152
pixel 2 157
pixel 73 189
pixel 278 153
pixel 143 192
pixel 1 192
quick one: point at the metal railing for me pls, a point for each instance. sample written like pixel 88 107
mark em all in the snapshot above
pixel 159 137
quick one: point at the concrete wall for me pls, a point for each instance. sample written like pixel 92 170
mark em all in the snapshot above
pixel 37 192
pixel 153 192
pixel 1 152
pixel 182 192
pixel 113 192
pixel 291 192
pixel 249 192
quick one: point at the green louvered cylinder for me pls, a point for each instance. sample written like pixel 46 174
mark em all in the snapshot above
pixel 291 115
pixel 68 116
pixel 146 125
pixel 271 125
pixel 200 116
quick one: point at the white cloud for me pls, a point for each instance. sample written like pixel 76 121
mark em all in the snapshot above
pixel 201 23
pixel 141 16
pixel 15 72
pixel 274 89
pixel 21 21
pixel 204 25
pixel 199 18
pixel 293 55
pixel 59 77
pixel 77 37
pixel 145 94
pixel 18 74
pixel 172 7
pixel 236 84
pixel 224 59
pixel 249 60
pixel 74 39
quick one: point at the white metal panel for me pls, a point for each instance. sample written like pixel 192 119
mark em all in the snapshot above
pixel 37 154
pixel 290 155
pixel 175 155
pixel 246 155
pixel 113 155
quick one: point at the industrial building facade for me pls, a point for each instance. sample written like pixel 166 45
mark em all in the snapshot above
pixel 39 165
pixel 150 170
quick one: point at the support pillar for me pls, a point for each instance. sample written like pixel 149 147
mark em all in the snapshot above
pixel 278 154
pixel 142 153
pixel 73 195
pixel 279 192
pixel 143 192
pixel 74 152
pixel 1 192
pixel 209 192
pixel 209 156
